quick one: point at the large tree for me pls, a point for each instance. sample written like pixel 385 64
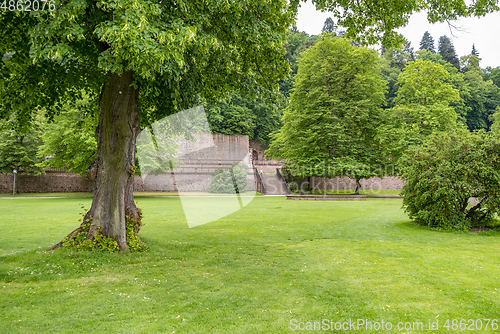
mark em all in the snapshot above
pixel 422 107
pixel 334 111
pixel 145 60
pixel 479 96
pixel 456 79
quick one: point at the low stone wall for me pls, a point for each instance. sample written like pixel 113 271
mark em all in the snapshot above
pixel 49 183
pixel 188 180
pixel 327 197
pixel 67 182
pixel 345 183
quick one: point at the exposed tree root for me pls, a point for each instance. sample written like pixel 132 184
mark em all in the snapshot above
pixel 72 234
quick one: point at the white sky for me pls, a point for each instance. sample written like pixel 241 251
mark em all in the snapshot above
pixel 480 31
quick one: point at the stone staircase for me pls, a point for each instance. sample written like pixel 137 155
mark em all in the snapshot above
pixel 274 185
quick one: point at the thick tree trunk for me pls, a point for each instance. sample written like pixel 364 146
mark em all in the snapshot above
pixel 113 169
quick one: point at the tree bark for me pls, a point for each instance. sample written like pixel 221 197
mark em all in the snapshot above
pixel 113 169
pixel 358 186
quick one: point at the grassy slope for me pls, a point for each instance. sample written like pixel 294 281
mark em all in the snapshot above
pixel 250 272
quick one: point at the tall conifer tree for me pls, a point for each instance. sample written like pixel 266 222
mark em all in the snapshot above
pixel 447 51
pixel 427 42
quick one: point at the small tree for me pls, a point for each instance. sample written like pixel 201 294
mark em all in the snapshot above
pixel 474 51
pixel 69 141
pixel 19 150
pixel 230 181
pixel 444 173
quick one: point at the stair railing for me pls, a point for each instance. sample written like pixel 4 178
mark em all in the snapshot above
pixel 260 183
pixel 282 179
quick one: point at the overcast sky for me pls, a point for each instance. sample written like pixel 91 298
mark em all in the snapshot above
pixel 483 32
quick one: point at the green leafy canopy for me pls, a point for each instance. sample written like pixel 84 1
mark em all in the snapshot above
pixel 179 51
pixel 334 111
pixel 444 173
pixel 373 21
pixel 422 106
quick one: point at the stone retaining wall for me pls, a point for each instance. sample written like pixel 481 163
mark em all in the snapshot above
pixel 374 183
pixel 345 183
pixel 187 181
pixel 198 160
pixel 49 183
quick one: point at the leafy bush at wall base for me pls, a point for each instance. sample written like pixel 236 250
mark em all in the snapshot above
pixel 444 173
pixel 230 181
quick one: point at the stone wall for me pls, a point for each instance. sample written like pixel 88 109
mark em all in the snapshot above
pixel 198 160
pixel 257 151
pixel 51 182
pixel 188 181
pixel 345 183
pixel 184 182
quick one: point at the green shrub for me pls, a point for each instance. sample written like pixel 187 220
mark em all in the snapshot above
pixel 230 181
pixel 444 173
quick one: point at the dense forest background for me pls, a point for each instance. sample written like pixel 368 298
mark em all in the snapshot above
pixel 479 87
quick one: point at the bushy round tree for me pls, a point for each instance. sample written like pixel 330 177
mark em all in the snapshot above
pixel 334 112
pixel 445 173
pixel 229 181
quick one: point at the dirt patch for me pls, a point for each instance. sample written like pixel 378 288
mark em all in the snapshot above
pixel 480 229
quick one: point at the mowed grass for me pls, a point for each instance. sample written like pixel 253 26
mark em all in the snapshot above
pixel 253 271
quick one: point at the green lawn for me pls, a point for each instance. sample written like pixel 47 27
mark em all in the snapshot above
pixel 251 272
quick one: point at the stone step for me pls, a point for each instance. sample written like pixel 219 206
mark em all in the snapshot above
pixel 274 185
